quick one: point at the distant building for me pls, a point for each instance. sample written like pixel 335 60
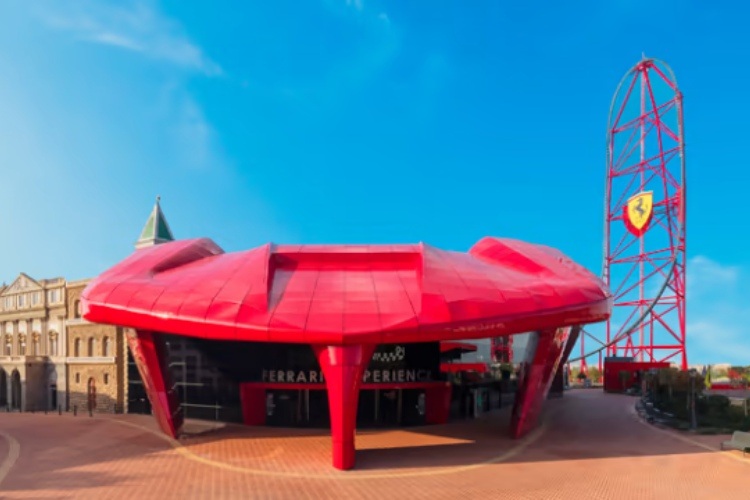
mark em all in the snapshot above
pixel 32 338
pixel 96 359
pixel 52 358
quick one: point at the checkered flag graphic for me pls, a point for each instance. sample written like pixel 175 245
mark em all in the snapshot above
pixel 390 357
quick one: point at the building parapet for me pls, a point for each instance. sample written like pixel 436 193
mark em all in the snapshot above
pixel 91 360
pixel 27 359
pixel 12 359
pixel 77 321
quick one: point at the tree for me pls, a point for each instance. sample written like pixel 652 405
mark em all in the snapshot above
pixel 667 378
pixel 594 374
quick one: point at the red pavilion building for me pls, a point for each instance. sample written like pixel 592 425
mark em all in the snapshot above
pixel 345 325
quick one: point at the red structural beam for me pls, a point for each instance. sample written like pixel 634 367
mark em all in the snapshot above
pixel 463 367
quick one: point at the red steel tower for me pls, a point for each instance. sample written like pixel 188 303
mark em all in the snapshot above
pixel 502 349
pixel 645 224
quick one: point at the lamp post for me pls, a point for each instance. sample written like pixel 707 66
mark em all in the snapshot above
pixel 653 384
pixel 693 419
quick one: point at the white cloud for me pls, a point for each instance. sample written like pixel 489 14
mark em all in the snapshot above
pixel 356 4
pixel 718 316
pixel 137 27
pixel 705 276
pixel 194 136
pixel 717 339
pixel 718 319
pixel 368 11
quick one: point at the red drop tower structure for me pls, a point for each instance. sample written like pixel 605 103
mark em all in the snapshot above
pixel 644 219
pixel 502 349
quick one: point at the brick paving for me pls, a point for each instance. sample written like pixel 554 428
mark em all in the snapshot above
pixel 593 447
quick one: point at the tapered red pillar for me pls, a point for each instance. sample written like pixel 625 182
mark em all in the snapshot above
pixel 149 353
pixel 253 402
pixel 558 380
pixel 343 367
pixel 548 349
pixel 557 388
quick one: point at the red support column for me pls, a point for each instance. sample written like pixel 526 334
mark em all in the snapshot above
pixel 537 379
pixel 438 404
pixel 253 401
pixel 558 384
pixel 149 353
pixel 343 367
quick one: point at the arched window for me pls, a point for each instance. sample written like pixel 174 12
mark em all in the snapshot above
pixel 77 309
pixel 92 347
pixel 77 348
pixel 106 347
pixel 78 378
pixel 106 378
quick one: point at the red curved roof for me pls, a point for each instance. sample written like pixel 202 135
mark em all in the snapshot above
pixel 346 294
pixel 457 346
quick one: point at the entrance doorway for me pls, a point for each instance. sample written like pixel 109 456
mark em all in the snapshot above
pixel 52 389
pixel 287 408
pixel 3 388
pixel 91 392
pixel 376 408
pixel 391 408
pixel 53 396
pixel 15 390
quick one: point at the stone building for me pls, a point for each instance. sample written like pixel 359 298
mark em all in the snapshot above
pixel 96 359
pixel 50 357
pixel 32 339
pixel 100 368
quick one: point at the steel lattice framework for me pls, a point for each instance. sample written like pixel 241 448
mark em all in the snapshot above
pixel 502 349
pixel 645 224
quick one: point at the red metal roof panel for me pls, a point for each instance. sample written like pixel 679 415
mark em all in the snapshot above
pixel 346 294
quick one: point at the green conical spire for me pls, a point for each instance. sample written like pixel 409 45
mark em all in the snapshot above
pixel 156 229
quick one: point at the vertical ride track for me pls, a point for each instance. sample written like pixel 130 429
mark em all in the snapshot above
pixel 644 221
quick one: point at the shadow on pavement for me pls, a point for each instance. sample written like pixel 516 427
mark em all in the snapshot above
pixel 583 425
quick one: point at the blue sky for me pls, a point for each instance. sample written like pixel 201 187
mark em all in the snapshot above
pixel 331 121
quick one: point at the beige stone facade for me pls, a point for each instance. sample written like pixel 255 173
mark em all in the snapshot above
pixel 96 360
pixel 52 359
pixel 32 343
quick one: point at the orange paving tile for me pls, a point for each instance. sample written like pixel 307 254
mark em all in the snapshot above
pixel 592 447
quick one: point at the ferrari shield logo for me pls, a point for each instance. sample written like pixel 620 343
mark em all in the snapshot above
pixel 639 211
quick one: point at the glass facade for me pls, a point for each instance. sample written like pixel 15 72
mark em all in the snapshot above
pixel 207 377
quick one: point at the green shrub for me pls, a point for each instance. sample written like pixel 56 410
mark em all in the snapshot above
pixel 716 401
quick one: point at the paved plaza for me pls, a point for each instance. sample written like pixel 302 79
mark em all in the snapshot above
pixel 590 446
